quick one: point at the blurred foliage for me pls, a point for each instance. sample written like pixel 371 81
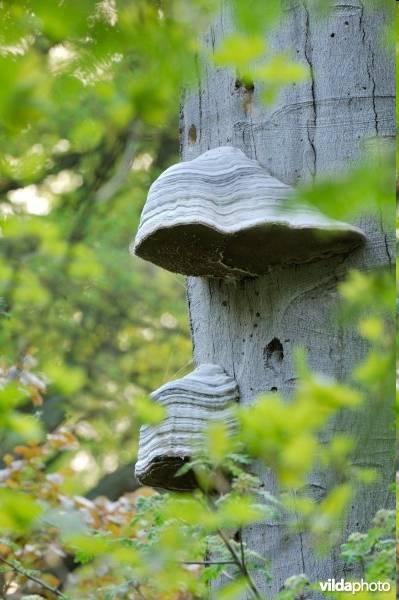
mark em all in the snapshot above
pixel 63 537
pixel 375 549
pixel 88 102
pixel 89 123
pixel 365 190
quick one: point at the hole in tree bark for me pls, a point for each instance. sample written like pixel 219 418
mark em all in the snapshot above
pixel 192 134
pixel 248 86
pixel 273 353
pixel 237 536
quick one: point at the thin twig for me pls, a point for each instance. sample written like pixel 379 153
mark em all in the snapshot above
pixel 243 561
pixel 43 584
pixel 237 561
pixel 240 565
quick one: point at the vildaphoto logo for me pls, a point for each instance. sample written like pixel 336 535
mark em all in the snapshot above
pixel 340 585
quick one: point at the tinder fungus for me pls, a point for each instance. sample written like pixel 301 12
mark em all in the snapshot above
pixel 223 215
pixel 205 395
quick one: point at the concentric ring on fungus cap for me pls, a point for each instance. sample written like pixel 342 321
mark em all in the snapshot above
pixel 223 215
pixel 205 395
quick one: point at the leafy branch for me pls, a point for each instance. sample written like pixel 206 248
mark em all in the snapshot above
pixel 240 563
pixel 238 559
pixel 25 573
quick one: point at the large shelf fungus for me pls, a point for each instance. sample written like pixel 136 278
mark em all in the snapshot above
pixel 223 215
pixel 205 395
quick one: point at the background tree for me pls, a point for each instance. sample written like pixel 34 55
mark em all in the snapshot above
pixel 79 157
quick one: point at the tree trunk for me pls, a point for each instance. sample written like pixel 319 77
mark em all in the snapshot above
pixel 314 128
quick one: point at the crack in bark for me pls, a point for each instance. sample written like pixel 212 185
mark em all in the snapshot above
pixel 198 69
pixel 370 69
pixel 387 251
pixel 373 93
pixel 210 304
pixel 213 38
pixel 253 137
pixel 302 555
pixel 361 24
pixel 312 122
pixel 386 244
pixel 231 343
pixel 190 318
pixel 218 122
pixel 181 124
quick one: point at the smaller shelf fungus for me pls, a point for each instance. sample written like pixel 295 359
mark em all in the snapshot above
pixel 205 395
pixel 223 215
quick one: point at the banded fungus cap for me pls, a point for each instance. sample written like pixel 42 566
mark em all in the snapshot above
pixel 223 215
pixel 205 395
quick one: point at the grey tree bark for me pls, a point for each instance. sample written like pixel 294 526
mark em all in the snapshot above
pixel 251 328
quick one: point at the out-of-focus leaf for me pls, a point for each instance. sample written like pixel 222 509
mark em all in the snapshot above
pixel 18 511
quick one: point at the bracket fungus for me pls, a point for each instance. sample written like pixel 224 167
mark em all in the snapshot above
pixel 223 215
pixel 205 395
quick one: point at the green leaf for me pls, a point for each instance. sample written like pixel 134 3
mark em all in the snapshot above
pixel 18 511
pixel 87 134
pixel 219 442
pixel 234 590
pixel 147 411
pixel 237 511
pixel 66 378
pixel 11 396
pixel 281 70
pixel 253 16
pixel 239 51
